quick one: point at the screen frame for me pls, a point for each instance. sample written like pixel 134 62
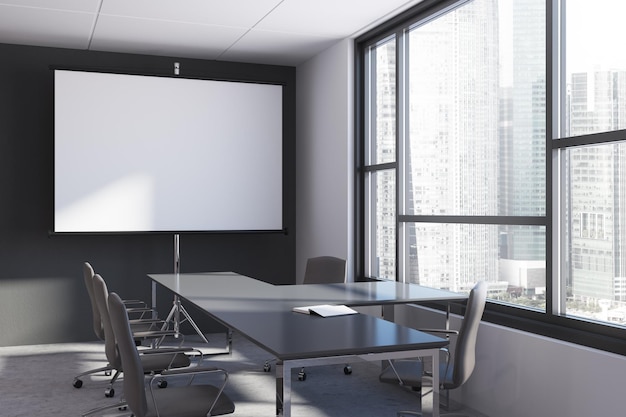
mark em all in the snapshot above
pixel 288 125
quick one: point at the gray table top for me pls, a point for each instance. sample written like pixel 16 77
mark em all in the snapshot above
pixel 263 313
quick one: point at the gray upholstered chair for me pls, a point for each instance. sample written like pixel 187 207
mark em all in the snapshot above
pixel 143 323
pixel 325 270
pixel 456 369
pixel 88 274
pixel 153 360
pixel 138 310
pixel 190 400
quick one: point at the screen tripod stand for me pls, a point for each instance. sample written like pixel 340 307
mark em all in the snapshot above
pixel 178 309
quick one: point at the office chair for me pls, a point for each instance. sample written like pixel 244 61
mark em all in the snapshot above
pixel 139 324
pixel 88 274
pixel 139 308
pixel 321 270
pixel 153 360
pixel 325 270
pixel 188 400
pixel 456 369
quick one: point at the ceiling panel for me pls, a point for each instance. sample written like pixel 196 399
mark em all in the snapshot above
pixel 278 48
pixel 331 18
pixel 154 37
pixel 67 5
pixel 237 13
pixel 45 27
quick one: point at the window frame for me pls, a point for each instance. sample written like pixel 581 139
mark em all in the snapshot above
pixel 551 323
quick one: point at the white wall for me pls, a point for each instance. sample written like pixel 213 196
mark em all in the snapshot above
pixel 518 374
pixel 324 157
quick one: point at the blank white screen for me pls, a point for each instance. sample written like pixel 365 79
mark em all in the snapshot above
pixel 139 153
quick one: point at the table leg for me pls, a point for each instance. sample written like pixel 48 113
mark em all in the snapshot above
pixel 388 312
pixel 154 300
pixel 430 394
pixel 229 336
pixel 283 389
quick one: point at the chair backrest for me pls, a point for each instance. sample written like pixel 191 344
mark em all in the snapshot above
pixel 465 349
pixel 134 385
pixel 88 274
pixel 101 295
pixel 325 270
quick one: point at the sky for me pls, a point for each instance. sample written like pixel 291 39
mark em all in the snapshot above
pixel 593 36
pixel 595 31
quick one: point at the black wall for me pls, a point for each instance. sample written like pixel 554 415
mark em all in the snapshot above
pixel 42 295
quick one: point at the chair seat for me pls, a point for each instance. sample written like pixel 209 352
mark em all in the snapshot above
pixel 410 373
pixel 189 401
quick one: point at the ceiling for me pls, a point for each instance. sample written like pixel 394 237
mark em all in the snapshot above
pixel 281 32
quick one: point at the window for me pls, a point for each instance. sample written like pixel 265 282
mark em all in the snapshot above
pixel 381 160
pixel 591 148
pixel 491 151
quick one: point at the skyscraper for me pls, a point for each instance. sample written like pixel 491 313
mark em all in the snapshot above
pixel 452 151
pixel 597 177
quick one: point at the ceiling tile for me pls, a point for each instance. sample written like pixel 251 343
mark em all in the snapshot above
pixel 238 13
pixel 68 5
pixel 331 18
pixel 45 27
pixel 277 48
pixel 162 38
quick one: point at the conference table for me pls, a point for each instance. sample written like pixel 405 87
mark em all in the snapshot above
pixel 263 313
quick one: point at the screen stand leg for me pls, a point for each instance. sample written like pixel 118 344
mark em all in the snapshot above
pixel 174 317
pixel 177 307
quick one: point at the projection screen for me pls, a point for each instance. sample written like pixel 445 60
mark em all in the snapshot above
pixel 137 153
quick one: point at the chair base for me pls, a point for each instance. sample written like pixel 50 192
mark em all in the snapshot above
pixel 120 406
pixel 78 383
pixel 416 413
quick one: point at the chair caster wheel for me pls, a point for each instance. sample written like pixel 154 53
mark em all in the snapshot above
pixel 77 383
pixel 109 392
pixel 267 367
pixel 162 384
pixel 347 370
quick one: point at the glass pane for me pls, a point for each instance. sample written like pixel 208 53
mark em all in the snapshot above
pixel 455 256
pixel 381 130
pixel 477 111
pixel 596 73
pixel 595 277
pixel 381 228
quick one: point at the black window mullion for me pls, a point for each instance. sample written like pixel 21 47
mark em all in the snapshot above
pixel 498 220
pixel 402 62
